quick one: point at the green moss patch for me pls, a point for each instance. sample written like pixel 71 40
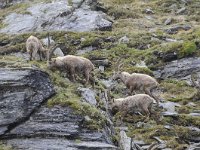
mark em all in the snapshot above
pixel 177 91
pixel 175 137
pixel 5 147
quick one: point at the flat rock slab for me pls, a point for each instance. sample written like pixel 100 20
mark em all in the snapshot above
pixel 56 128
pixel 21 92
pixel 57 144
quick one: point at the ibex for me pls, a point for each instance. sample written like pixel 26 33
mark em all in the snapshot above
pixel 141 102
pixel 73 64
pixel 138 81
pixel 34 47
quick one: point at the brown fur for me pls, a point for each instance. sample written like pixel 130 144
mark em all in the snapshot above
pixel 34 46
pixel 138 81
pixel 143 102
pixel 73 64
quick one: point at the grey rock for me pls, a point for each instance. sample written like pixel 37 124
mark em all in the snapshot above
pixel 139 142
pixel 179 69
pixel 181 11
pixel 102 69
pixel 21 92
pixel 194 146
pixel 57 16
pixel 85 50
pixel 45 41
pixel 124 39
pixel 169 114
pixel 195 114
pixel 24 56
pixel 125 141
pixel 87 118
pixel 170 107
pixel 170 40
pixel 191 104
pixel 168 21
pixel 101 62
pixel 149 11
pixel 88 95
pixel 141 64
pixel 166 56
pixel 58 52
pixel 56 128
pixel 57 144
pixel 108 83
pixel 176 28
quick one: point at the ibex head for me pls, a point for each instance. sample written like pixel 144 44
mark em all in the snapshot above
pixel 55 63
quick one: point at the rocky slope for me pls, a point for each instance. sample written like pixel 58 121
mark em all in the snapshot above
pixel 160 38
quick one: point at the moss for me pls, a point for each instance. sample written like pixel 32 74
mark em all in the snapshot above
pixel 139 70
pixel 3 25
pixel 176 137
pixel 12 61
pixel 19 8
pixel 185 120
pixel 70 2
pixel 189 48
pixel 177 91
pixel 67 96
pixel 64 98
pixel 5 147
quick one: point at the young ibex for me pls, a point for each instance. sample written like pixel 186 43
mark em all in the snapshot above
pixel 34 47
pixel 73 64
pixel 138 81
pixel 141 102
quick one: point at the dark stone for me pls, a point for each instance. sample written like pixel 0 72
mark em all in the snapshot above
pixel 175 29
pixel 109 39
pixel 27 124
pixel 21 92
pixel 102 62
pixel 100 7
pixel 166 57
pixel 168 21
pixel 181 11
pixel 60 126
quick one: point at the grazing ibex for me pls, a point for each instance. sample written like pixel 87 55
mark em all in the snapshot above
pixel 141 102
pixel 73 64
pixel 138 81
pixel 34 47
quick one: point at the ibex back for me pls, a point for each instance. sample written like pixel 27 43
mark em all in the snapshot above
pixel 73 64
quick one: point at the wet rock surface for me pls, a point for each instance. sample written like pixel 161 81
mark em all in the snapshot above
pixel 58 15
pixel 22 91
